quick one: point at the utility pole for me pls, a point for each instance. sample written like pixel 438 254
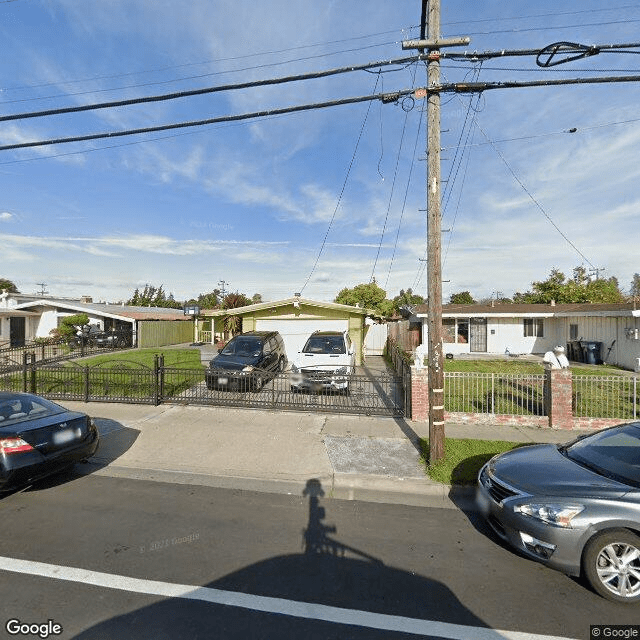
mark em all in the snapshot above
pixel 431 12
pixel 222 290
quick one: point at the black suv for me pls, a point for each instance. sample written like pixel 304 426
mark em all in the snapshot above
pixel 247 361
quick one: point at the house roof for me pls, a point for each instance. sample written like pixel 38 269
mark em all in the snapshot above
pixel 260 306
pixel 120 312
pixel 533 310
pixel 16 313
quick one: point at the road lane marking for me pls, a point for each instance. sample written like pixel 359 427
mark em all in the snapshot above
pixel 265 604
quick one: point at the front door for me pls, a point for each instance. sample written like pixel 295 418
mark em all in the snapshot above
pixel 478 335
pixel 16 332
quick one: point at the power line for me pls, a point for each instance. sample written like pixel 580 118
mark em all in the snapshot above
pixel 385 97
pixel 344 185
pixel 207 90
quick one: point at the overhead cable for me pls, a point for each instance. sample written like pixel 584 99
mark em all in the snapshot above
pixel 216 89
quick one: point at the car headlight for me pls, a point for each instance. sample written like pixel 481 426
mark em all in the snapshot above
pixel 560 515
pixel 247 369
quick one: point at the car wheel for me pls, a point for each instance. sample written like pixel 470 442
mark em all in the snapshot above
pixel 611 564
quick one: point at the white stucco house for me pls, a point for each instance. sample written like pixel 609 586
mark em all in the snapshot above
pixel 24 317
pixel 537 328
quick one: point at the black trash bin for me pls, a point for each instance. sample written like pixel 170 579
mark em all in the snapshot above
pixel 592 351
pixel 576 353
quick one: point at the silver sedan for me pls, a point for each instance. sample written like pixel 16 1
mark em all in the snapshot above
pixel 574 507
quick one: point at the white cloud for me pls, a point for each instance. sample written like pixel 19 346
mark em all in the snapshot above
pixel 5 216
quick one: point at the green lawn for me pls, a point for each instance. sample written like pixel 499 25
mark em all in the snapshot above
pixel 463 458
pixel 176 358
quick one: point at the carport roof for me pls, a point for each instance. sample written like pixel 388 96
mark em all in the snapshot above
pixel 288 301
pixel 122 312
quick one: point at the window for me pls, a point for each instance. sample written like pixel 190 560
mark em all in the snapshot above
pixel 533 327
pixel 573 332
pixel 455 330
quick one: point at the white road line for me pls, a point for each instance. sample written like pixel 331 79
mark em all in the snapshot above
pixel 306 610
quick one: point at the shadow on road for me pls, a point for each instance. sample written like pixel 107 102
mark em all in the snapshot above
pixel 329 590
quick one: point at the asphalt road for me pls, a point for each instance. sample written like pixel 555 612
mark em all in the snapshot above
pixel 118 558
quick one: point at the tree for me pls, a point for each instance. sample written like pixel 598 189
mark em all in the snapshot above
pixel 153 297
pixel 406 299
pixel 580 288
pixel 8 285
pixel 69 326
pixel 635 286
pixel 463 297
pixel 368 296
pixel 233 322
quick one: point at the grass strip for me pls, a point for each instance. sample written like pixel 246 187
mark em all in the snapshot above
pixel 463 458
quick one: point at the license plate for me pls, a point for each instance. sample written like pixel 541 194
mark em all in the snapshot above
pixel 64 436
pixel 223 380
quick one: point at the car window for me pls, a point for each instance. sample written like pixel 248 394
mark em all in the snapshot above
pixel 18 409
pixel 324 344
pixel 243 347
pixel 614 453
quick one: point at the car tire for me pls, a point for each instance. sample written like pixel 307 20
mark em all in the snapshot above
pixel 611 565
pixel 258 382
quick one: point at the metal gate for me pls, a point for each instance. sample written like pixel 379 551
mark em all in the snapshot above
pixel 373 394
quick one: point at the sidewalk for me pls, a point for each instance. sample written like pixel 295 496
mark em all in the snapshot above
pixel 355 457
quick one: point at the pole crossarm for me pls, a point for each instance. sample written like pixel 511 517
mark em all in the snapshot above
pixel 436 43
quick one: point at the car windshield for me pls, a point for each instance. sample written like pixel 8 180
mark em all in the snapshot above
pixel 243 347
pixel 25 408
pixel 613 453
pixel 324 344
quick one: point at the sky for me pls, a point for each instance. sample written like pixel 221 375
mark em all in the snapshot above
pixel 315 201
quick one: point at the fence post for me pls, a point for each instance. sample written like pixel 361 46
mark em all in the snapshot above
pixel 87 373
pixel 419 394
pixel 161 393
pixel 559 397
pixel 32 372
pixel 24 371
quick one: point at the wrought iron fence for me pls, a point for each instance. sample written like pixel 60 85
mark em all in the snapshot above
pixel 494 393
pixel 372 394
pixel 45 351
pixel 605 397
pixel 401 364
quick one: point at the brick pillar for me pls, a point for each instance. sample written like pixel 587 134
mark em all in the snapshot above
pixel 420 394
pixel 559 395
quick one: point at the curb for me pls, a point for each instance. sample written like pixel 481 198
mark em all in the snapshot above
pixel 416 492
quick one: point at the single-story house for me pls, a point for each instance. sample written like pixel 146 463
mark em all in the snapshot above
pixel 294 318
pixel 25 317
pixel 537 328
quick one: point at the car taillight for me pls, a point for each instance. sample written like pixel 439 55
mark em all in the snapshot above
pixel 14 445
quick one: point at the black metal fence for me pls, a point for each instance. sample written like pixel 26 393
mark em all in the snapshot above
pixel 47 351
pixel 372 394
pixel 402 366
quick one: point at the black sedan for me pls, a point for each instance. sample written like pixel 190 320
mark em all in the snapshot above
pixel 39 437
pixel 573 507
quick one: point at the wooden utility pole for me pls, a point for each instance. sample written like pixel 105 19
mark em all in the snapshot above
pixel 431 11
pixel 434 239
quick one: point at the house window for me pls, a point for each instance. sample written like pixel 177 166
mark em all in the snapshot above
pixel 455 330
pixel 573 332
pixel 533 327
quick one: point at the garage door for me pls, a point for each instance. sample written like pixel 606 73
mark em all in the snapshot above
pixel 295 332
